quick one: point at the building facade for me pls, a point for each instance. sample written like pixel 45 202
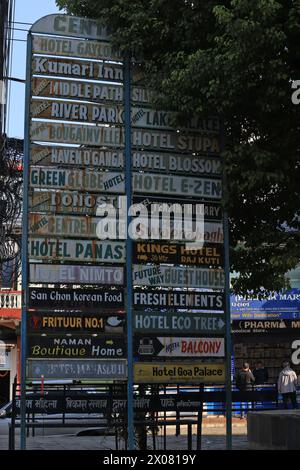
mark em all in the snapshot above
pixel 268 330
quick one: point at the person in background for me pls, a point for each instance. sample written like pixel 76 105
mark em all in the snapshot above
pixel 286 384
pixel 245 378
pixel 260 373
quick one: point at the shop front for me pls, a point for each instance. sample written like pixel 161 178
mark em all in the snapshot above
pixel 5 372
pixel 268 341
pixel 268 331
pixel 10 318
pixel 8 370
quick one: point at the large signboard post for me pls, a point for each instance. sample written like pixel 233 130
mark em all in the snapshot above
pixel 78 331
pixel 111 309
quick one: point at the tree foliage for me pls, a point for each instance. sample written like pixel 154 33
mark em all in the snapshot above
pixel 236 57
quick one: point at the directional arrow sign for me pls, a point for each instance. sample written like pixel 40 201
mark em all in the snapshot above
pixel 178 323
pixel 82 347
pixel 178 347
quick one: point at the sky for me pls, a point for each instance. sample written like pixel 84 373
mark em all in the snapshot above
pixel 27 11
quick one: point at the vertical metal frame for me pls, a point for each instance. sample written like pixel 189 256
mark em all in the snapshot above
pixel 228 336
pixel 25 241
pixel 129 285
pixel 228 384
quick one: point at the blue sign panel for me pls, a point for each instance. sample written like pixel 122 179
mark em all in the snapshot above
pixel 283 305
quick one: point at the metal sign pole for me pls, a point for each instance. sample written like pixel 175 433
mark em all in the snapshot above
pixel 227 306
pixel 128 188
pixel 228 337
pixel 25 243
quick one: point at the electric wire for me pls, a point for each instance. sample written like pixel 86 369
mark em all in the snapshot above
pixel 10 58
pixel 11 156
pixel 21 22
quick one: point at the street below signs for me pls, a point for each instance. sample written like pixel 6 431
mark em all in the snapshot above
pixel 84 369
pixel 76 299
pixel 178 277
pixel 171 253
pixel 84 134
pixel 148 183
pixel 75 48
pixel 76 250
pixel 178 323
pixel 178 347
pixel 89 179
pixel 87 347
pixel 68 274
pixel 75 156
pixel 160 299
pixel 39 323
pixel 74 68
pixel 77 134
pixel 86 91
pixel 179 373
pixel 87 403
pixel 68 202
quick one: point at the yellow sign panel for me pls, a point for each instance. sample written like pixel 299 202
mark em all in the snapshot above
pixel 196 372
